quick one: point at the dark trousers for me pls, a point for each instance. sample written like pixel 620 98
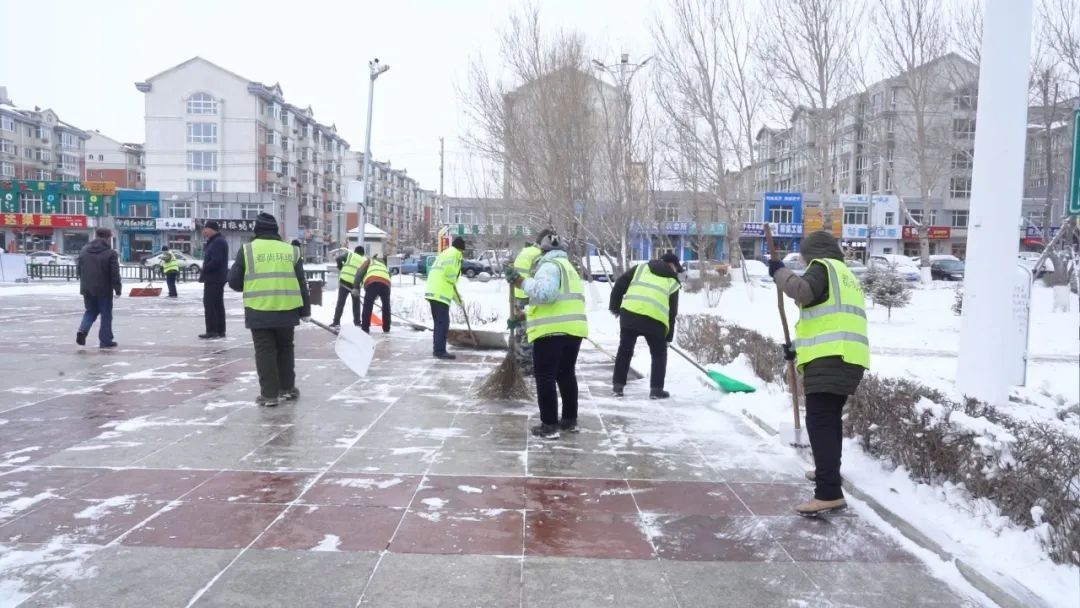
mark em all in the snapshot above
pixel 382 292
pixel 826 431
pixel 440 314
pixel 554 367
pixel 170 280
pixel 214 307
pixel 657 349
pixel 343 294
pixel 274 359
pixel 95 306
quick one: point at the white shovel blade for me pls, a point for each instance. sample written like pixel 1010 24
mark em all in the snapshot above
pixel 355 348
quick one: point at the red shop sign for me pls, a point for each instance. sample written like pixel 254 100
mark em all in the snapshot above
pixel 934 233
pixel 43 220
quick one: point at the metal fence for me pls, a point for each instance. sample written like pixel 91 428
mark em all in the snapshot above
pixel 131 272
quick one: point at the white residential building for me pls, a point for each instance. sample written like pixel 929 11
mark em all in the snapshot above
pixel 112 161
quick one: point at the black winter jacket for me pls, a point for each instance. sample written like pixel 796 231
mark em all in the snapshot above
pixel 828 374
pixel 641 324
pixel 99 270
pixel 269 319
pixel 215 268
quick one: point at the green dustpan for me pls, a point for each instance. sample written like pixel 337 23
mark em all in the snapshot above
pixel 727 383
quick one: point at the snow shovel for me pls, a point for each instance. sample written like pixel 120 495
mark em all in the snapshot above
pixel 354 347
pixel 795 438
pixel 481 340
pixel 727 383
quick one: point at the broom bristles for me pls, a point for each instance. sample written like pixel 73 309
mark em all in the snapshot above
pixel 505 382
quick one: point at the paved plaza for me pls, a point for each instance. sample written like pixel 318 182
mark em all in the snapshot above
pixel 146 476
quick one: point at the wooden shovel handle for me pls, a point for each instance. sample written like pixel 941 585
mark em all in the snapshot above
pixel 793 377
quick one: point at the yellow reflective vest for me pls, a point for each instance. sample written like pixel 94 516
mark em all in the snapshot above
pixel 443 276
pixel 837 326
pixel 270 282
pixel 566 315
pixel 649 295
pixel 523 264
pixel 377 271
pixel 352 264
pixel 169 263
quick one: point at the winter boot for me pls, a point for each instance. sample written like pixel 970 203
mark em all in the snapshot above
pixel 820 507
pixel 568 426
pixel 445 356
pixel 289 394
pixel 546 431
pixel 335 326
pixel 80 338
pixel 108 345
pixel 811 475
pixel 658 393
pixel 617 390
pixel 267 401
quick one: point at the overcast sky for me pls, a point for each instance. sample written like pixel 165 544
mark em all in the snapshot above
pixel 82 59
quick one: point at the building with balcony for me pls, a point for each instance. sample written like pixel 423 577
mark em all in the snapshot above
pixel 108 160
pixel 36 145
pixel 396 204
pixel 210 130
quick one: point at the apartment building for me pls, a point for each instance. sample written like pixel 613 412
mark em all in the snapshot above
pixel 211 130
pixel 396 203
pixel 36 145
pixel 109 160
pixel 1047 170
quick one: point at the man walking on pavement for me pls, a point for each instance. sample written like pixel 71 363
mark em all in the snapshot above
pixel 555 325
pixel 214 274
pixel 171 267
pixel 441 291
pixel 98 268
pixel 376 285
pixel 350 266
pixel 646 300
pixel 519 341
pixel 832 350
pixel 270 273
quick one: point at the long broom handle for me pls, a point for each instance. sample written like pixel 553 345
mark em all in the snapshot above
pixel 464 312
pixel 793 378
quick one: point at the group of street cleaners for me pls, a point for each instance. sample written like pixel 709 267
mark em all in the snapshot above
pixel 548 323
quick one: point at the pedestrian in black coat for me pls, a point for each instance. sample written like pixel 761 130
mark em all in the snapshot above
pixel 98 268
pixel 214 275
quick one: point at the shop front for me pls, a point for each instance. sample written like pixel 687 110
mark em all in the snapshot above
pixel 939 237
pixel 786 237
pixel 236 233
pixel 26 232
pixel 1031 238
pixel 137 238
pixel 688 240
pixel 48 215
pixel 177 232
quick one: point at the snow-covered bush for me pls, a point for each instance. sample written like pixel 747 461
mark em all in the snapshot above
pixel 710 340
pixel 1029 470
pixel 887 288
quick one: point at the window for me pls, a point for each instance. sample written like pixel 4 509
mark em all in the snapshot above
pixel 141 210
pixel 963 159
pixel 42 174
pixel 214 211
pixel 42 133
pixel 285 118
pixel 69 162
pixel 201 103
pixel 7 124
pixel 8 147
pixel 963 102
pixel 916 216
pixel 44 155
pixel 960 187
pixel 28 153
pixel 273 164
pixel 249 211
pixel 180 209
pixel 32 203
pixel 202 185
pixel 964 128
pixel 201 161
pixel 782 214
pixel 202 133
pixel 73 204
pixel 890 218
pixel 890 125
pixel 7 169
pixel 284 144
pixel 69 140
pixel 856 215
pixel 960 218
pixel 271 138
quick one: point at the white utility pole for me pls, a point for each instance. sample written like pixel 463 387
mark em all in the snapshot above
pixel 997 190
pixel 376 70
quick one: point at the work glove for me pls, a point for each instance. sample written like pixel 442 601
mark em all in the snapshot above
pixel 774 265
pixel 118 292
pixel 512 324
pixel 789 354
pixel 356 291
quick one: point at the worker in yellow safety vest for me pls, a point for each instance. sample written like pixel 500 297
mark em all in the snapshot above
pixel 832 350
pixel 646 300
pixel 555 325
pixel 519 342
pixel 441 291
pixel 376 285
pixel 270 273
pixel 350 264
pixel 170 266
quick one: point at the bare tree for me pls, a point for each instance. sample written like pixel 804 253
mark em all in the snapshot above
pixel 811 50
pixel 967 28
pixel 1061 23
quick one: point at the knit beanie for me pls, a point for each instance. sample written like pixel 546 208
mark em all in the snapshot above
pixel 265 224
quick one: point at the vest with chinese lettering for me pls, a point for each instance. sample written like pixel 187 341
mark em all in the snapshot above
pixel 270 282
pixel 837 326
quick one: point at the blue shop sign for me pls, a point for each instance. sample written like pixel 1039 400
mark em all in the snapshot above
pixel 1035 232
pixel 783 198
pixel 778 230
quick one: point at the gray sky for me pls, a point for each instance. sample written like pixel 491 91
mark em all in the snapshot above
pixel 81 59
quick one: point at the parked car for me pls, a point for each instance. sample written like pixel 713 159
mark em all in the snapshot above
pixel 471 268
pixel 696 269
pixel 600 266
pixel 50 258
pixel 947 270
pixel 856 267
pixel 185 260
pixel 901 264
pixel 1028 259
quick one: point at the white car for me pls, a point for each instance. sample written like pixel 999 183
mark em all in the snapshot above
pixel 50 258
pixel 185 260
pixel 696 269
pixel 1028 259
pixel 903 265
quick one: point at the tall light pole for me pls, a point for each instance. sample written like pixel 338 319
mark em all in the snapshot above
pixel 376 69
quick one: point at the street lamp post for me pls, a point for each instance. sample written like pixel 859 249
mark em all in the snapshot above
pixel 376 69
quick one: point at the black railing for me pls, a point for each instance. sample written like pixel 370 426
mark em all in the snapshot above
pixel 132 272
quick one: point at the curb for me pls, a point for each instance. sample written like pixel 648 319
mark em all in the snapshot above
pixel 1016 596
